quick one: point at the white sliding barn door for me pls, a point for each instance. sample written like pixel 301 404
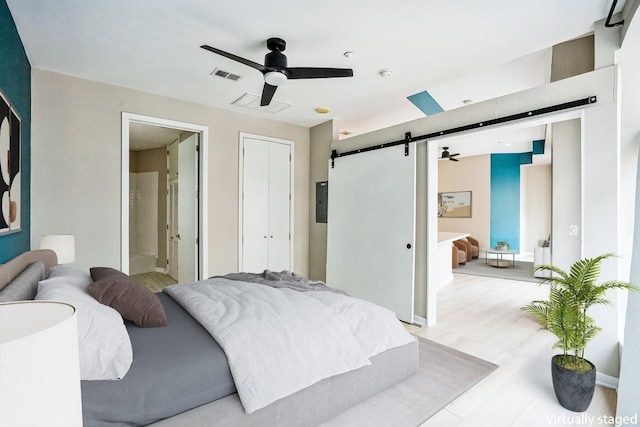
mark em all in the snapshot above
pixel 265 205
pixel 371 228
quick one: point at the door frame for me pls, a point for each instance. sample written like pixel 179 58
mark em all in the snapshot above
pixel 241 138
pixel 203 178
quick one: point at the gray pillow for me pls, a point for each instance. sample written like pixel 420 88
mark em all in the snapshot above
pixel 25 286
pixel 132 300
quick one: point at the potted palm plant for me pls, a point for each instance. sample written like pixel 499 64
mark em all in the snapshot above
pixel 565 315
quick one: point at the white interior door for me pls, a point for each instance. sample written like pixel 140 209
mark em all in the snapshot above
pixel 371 228
pixel 172 225
pixel 279 201
pixel 265 205
pixel 255 206
pixel 188 209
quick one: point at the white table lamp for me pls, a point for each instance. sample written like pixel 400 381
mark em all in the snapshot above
pixel 62 244
pixel 39 365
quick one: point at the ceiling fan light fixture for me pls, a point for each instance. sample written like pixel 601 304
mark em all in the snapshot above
pixel 275 78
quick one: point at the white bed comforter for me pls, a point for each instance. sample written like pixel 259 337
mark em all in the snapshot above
pixel 279 341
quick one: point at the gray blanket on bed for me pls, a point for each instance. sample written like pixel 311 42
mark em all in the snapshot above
pixel 283 279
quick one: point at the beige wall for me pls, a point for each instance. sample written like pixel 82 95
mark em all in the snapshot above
pixel 573 57
pixel 321 137
pixel 76 167
pixel 469 174
pixel 474 174
pixel 535 208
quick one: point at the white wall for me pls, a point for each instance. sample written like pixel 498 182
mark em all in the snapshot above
pixel 567 193
pixel 76 170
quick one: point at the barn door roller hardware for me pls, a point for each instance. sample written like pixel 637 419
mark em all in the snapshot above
pixel 505 119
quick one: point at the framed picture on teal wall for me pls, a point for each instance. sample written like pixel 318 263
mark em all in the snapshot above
pixel 10 173
pixel 455 204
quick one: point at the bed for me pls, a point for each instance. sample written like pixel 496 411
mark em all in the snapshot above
pixel 179 374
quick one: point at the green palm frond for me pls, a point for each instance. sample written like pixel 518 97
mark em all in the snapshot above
pixel 570 296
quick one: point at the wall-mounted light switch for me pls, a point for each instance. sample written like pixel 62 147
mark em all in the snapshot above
pixel 573 230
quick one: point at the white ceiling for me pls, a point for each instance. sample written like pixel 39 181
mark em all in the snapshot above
pixel 146 137
pixel 466 49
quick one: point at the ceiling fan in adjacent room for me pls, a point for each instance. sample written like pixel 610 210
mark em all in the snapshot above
pixel 275 68
pixel 447 155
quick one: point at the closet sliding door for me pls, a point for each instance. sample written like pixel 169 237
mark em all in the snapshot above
pixel 371 228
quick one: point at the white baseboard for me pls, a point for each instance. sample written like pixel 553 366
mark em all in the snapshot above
pixel 161 270
pixel 419 320
pixel 606 380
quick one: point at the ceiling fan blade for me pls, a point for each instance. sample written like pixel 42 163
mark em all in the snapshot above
pixel 317 73
pixel 453 159
pixel 237 58
pixel 453 155
pixel 267 94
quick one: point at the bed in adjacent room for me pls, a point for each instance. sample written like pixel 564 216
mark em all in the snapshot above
pixel 238 350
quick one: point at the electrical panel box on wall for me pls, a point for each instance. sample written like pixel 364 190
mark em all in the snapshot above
pixel 322 195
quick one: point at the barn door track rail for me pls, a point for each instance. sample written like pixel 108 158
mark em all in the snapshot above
pixel 505 119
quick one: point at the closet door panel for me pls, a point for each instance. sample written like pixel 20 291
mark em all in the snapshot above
pixel 255 206
pixel 279 206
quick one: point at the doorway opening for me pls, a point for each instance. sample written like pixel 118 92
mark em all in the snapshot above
pixel 164 200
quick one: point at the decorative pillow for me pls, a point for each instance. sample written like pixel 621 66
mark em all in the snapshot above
pixel 132 300
pixel 104 344
pixel 25 286
pixel 68 272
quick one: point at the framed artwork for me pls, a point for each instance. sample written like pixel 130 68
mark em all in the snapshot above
pixel 10 160
pixel 456 204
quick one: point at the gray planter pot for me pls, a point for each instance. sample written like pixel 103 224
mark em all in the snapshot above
pixel 574 389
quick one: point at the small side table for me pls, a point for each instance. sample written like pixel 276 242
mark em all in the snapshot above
pixel 499 260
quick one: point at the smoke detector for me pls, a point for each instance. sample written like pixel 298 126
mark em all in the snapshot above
pixel 385 73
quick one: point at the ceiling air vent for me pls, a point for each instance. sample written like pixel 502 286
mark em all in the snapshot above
pixel 225 75
pixel 251 101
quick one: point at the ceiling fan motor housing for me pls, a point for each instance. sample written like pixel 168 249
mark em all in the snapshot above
pixel 276 64
pixel 275 59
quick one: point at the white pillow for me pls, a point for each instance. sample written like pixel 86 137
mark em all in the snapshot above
pixel 105 347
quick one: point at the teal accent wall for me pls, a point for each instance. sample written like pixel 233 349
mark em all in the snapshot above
pixel 425 103
pixel 505 199
pixel 15 83
pixel 538 146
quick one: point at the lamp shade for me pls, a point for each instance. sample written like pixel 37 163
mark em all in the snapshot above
pixel 64 245
pixel 39 365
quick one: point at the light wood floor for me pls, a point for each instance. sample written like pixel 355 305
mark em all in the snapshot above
pixel 154 281
pixel 481 316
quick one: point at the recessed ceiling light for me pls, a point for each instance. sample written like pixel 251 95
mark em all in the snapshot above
pixel 467 101
pixel 322 110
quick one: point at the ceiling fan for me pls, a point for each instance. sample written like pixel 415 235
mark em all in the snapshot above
pixel 275 68
pixel 447 155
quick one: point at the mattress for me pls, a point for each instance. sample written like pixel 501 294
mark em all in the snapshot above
pixel 174 369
